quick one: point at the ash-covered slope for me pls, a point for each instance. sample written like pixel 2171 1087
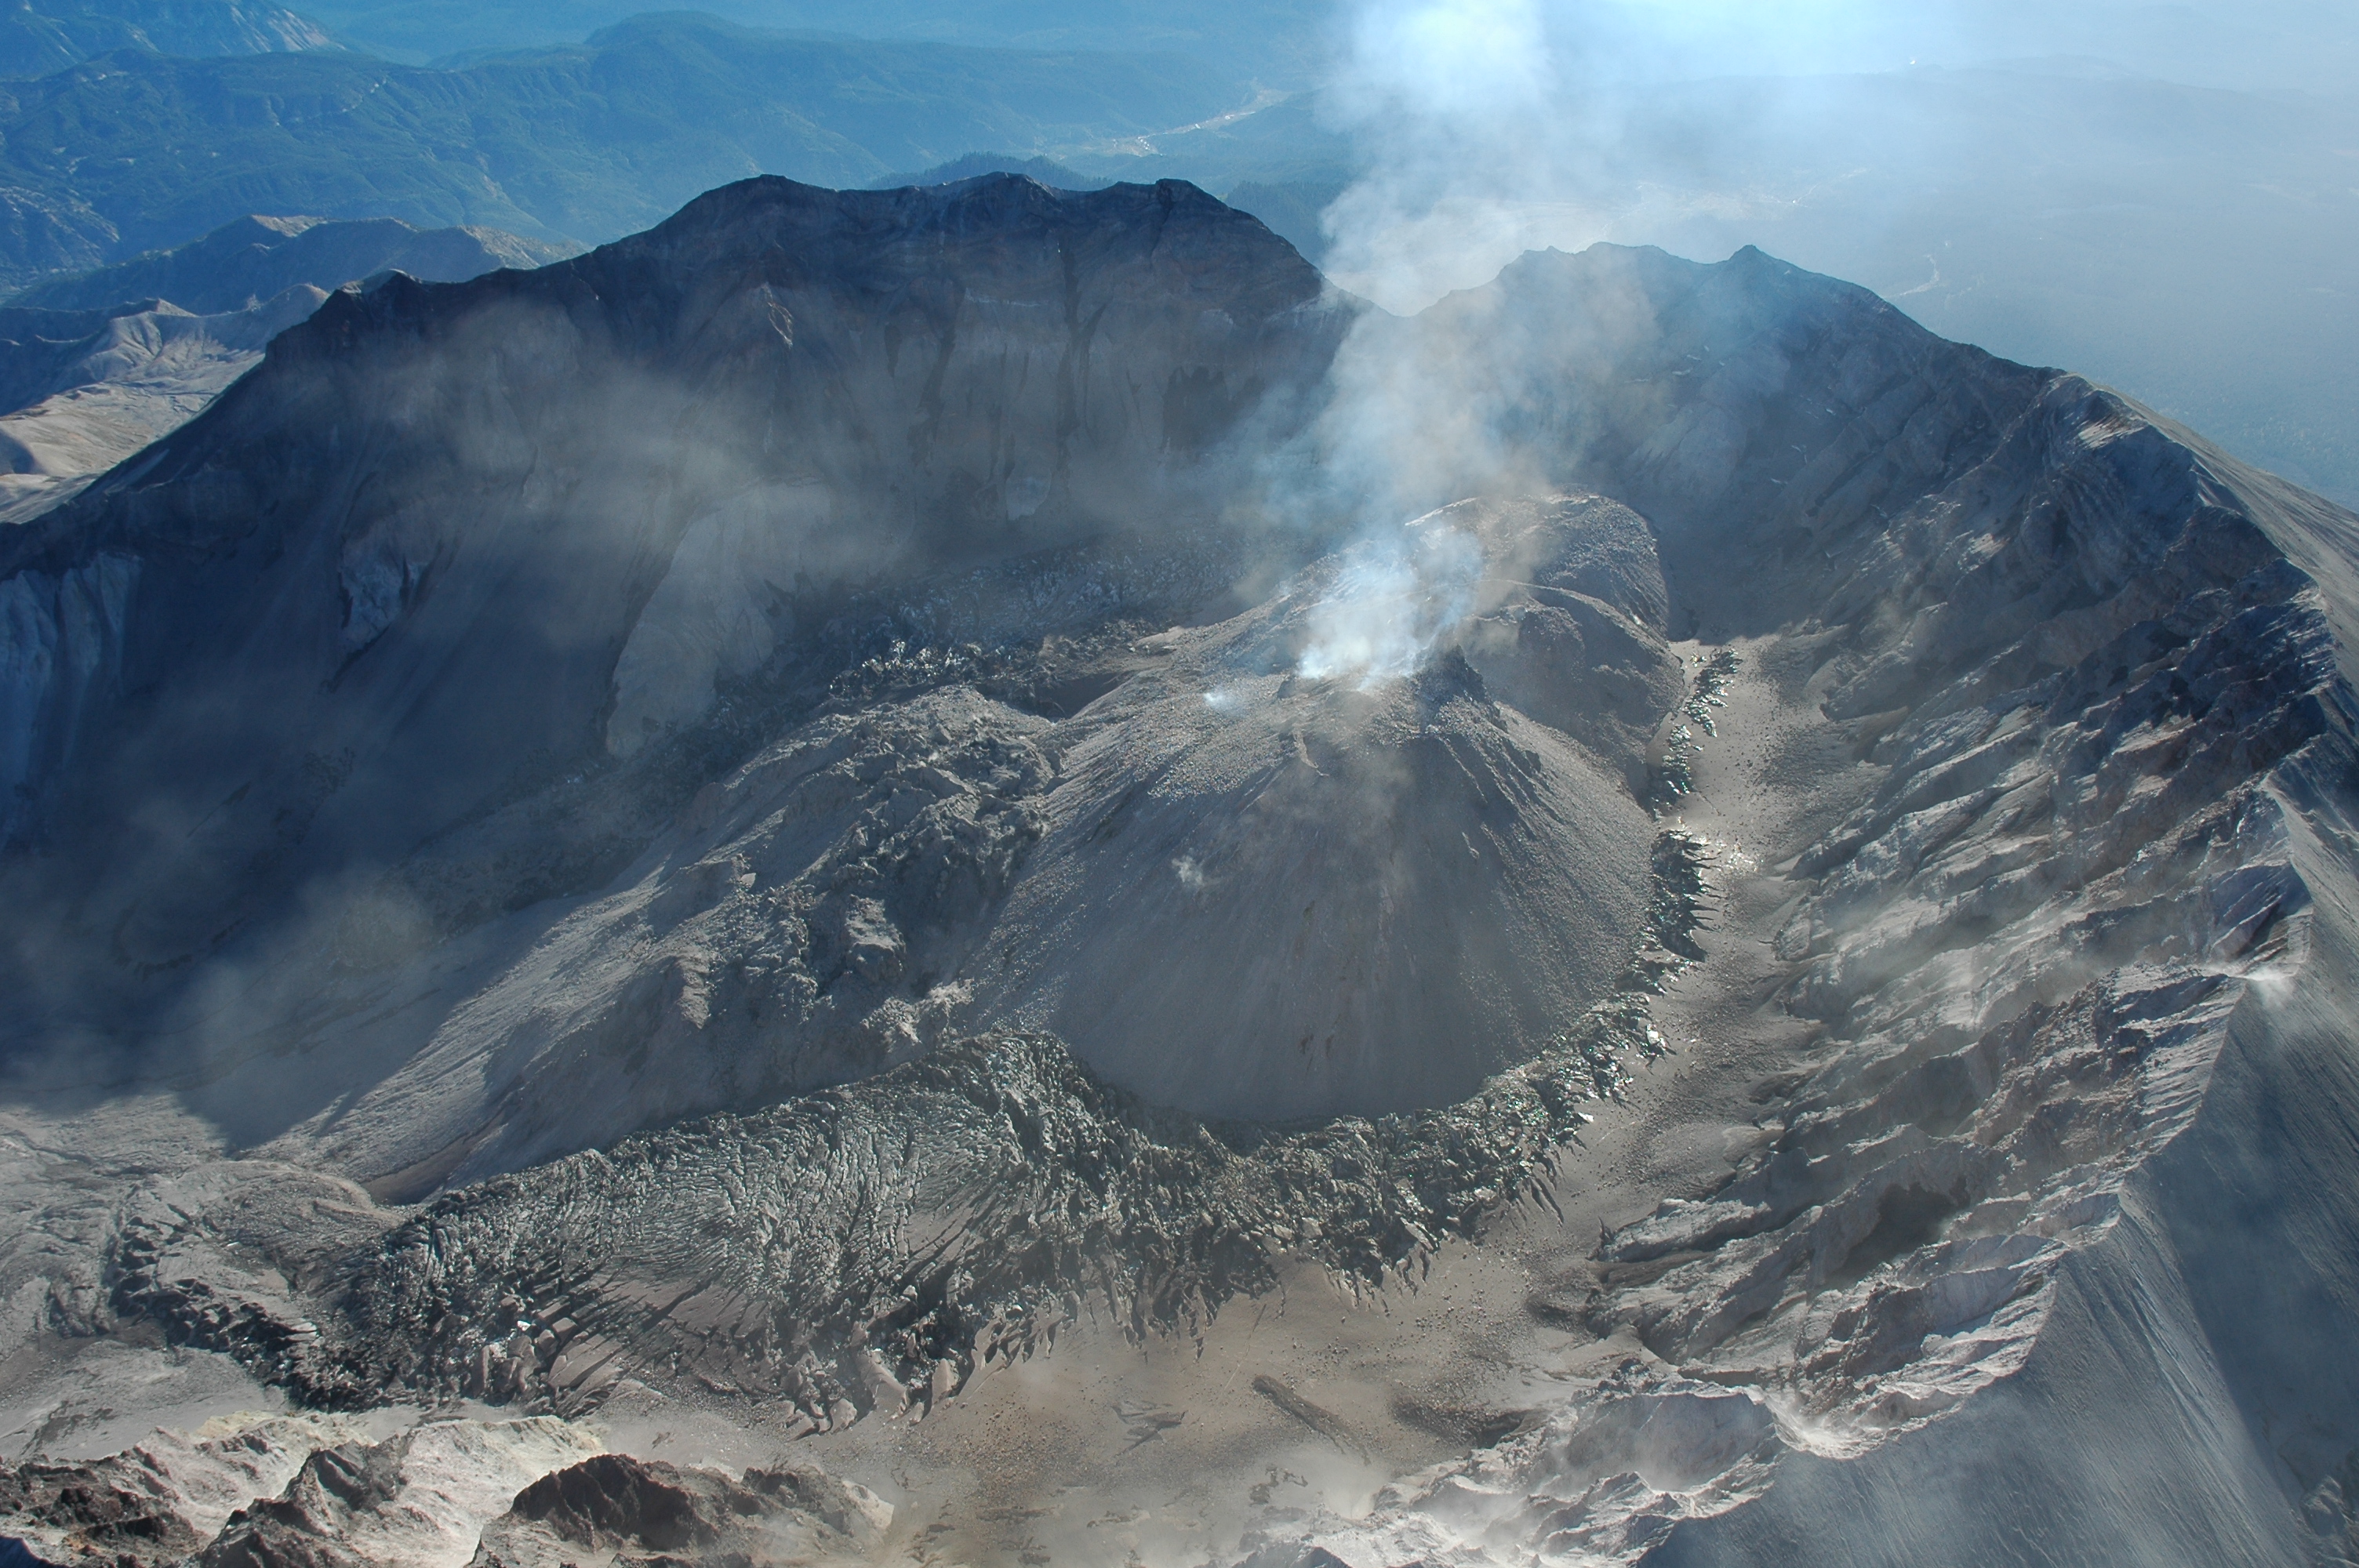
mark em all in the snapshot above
pixel 1232 888
pixel 1267 887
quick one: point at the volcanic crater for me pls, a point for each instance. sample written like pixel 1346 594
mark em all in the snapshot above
pixel 990 838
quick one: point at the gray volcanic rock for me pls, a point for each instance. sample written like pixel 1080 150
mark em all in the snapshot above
pixel 420 1497
pixel 1270 888
pixel 255 1491
pixel 90 1519
pixel 1135 879
pixel 869 1248
pixel 793 932
pixel 243 262
pixel 160 1502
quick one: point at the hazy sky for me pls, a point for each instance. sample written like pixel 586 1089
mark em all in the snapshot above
pixel 2264 42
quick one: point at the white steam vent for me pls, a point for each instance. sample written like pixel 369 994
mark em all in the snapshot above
pixel 1389 604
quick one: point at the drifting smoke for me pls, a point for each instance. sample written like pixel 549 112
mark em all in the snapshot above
pixel 1434 89
pixel 1840 134
pixel 1457 105
pixel 1487 128
pixel 2080 186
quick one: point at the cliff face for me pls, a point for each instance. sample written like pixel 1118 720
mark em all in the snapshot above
pixel 450 543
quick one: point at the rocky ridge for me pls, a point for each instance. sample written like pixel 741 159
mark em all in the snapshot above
pixel 2100 714
pixel 102 366
pixel 276 1492
pixel 632 1511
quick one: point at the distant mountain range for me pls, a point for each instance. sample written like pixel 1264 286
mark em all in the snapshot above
pixel 133 151
pixel 2208 281
pixel 1280 45
pixel 38 38
pixel 1277 42
pixel 1048 171
pixel 96 366
pixel 255 258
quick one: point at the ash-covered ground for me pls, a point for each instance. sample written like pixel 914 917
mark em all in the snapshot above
pixel 976 876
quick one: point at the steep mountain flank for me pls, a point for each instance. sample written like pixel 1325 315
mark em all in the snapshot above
pixel 94 368
pixel 689 449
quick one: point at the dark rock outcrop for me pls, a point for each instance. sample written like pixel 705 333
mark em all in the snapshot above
pixel 307 1527
pixel 96 1513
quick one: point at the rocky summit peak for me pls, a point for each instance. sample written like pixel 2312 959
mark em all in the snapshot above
pixel 1001 233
